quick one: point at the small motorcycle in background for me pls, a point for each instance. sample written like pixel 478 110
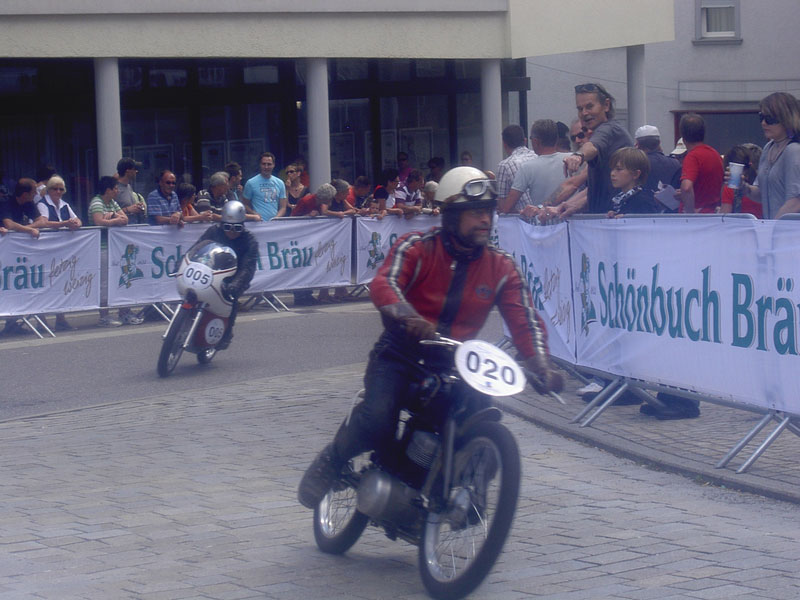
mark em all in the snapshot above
pixel 203 315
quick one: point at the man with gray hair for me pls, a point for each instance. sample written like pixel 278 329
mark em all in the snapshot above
pixel 214 197
pixel 539 177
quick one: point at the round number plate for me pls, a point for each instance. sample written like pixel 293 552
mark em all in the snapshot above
pixel 198 276
pixel 214 330
pixel 488 369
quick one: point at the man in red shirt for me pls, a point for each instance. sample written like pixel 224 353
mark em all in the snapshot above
pixel 445 281
pixel 702 173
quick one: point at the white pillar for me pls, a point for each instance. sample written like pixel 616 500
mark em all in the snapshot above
pixel 492 113
pixel 637 109
pixel 108 115
pixel 319 135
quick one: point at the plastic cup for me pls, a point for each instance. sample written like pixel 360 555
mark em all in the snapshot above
pixel 735 178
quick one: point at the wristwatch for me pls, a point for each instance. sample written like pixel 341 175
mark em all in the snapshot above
pixel 583 158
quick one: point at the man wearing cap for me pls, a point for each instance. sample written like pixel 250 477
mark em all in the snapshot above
pixel 131 203
pixel 596 111
pixel 664 170
pixel 444 281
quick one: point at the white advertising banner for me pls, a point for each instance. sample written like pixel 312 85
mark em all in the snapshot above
pixel 374 238
pixel 542 254
pixel 294 253
pixel 59 272
pixel 703 304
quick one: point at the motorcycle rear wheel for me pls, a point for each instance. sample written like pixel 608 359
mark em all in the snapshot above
pixel 337 522
pixel 172 348
pixel 461 544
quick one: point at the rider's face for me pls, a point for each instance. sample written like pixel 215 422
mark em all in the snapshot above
pixel 475 226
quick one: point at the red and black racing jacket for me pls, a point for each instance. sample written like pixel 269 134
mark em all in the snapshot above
pixel 457 291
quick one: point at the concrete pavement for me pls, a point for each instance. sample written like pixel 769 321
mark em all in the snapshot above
pixel 191 495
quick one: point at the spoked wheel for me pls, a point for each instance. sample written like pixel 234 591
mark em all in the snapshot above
pixel 337 522
pixel 172 348
pixel 461 544
pixel 204 356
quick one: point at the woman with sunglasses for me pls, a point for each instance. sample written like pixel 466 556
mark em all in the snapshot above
pixel 295 188
pixel 778 187
pixel 231 232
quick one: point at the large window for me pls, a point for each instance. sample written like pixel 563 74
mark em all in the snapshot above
pixel 717 21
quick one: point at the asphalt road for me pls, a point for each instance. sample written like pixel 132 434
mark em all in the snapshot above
pixel 96 366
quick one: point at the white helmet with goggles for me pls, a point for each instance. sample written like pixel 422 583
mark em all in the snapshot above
pixel 465 188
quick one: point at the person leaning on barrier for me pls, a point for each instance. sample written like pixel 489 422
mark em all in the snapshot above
pixel 58 214
pixel 629 170
pixel 191 213
pixel 310 205
pixel 701 171
pixel 215 196
pixel 338 206
pixel 20 214
pixel 446 280
pixel 778 187
pixel 231 231
pixel 163 206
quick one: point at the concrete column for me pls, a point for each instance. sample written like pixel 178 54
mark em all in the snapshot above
pixel 108 115
pixel 637 109
pixel 319 133
pixel 492 113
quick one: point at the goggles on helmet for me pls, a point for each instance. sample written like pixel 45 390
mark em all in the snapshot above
pixel 476 188
pixel 235 227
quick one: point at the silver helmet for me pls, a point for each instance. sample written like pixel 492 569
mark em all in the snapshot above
pixel 233 211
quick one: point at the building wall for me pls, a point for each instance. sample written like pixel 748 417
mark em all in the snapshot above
pixel 311 28
pixel 683 75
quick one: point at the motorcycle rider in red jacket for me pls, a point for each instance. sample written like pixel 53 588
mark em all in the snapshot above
pixel 445 281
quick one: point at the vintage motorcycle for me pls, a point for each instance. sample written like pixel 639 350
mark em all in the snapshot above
pixel 202 317
pixel 449 481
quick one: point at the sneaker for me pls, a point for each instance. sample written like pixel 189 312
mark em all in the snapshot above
pixel 109 322
pixel 590 388
pixel 131 319
pixel 13 328
pixel 318 478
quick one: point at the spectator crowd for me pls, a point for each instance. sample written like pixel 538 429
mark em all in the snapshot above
pixel 591 166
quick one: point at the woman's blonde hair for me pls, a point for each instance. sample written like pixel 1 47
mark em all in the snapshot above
pixel 54 181
pixel 784 107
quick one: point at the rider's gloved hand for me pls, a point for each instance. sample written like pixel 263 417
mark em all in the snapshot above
pixel 546 378
pixel 228 290
pixel 418 328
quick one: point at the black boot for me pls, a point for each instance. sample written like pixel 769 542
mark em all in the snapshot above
pixel 319 477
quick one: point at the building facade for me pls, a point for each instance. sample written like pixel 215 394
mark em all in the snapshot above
pixel 346 84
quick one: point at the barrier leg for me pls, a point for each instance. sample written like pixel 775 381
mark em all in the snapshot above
pixel 745 440
pixel 41 322
pixel 617 393
pixel 597 399
pixel 764 445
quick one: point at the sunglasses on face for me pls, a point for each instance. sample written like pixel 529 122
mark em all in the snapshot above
pixel 235 227
pixel 578 136
pixel 768 119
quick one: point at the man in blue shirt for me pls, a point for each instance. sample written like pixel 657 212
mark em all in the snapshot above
pixel 163 207
pixel 264 193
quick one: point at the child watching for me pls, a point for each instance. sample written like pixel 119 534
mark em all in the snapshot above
pixel 629 170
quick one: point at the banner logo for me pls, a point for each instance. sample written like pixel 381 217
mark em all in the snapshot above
pixel 588 311
pixel 376 256
pixel 130 272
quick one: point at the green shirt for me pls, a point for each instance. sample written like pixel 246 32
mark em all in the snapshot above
pixel 98 206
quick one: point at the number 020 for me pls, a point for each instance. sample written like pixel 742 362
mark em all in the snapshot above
pixel 490 368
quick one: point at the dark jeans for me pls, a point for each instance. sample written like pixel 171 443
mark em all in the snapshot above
pixel 373 421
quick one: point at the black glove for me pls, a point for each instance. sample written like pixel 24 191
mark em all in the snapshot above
pixel 418 328
pixel 544 378
pixel 229 290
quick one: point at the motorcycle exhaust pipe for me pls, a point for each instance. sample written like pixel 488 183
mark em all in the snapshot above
pixel 384 498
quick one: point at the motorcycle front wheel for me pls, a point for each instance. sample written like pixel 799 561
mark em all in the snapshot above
pixel 461 543
pixel 172 348
pixel 204 356
pixel 337 522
